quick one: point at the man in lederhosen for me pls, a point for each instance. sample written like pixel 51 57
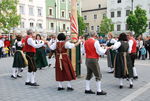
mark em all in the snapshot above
pixel 30 50
pixel 93 51
pixel 132 51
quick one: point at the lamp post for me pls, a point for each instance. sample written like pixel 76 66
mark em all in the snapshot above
pixel 56 17
pixel 132 5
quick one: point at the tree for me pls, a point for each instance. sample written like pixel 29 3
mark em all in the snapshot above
pixel 81 25
pixel 137 21
pixel 8 15
pixel 106 25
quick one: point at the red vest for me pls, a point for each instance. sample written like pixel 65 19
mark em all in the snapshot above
pixel 134 45
pixel 27 47
pixel 90 49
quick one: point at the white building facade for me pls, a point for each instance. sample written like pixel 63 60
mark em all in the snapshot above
pixel 118 11
pixel 33 15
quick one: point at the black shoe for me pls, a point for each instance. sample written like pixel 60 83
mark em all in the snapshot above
pixel 27 83
pixel 111 72
pixel 69 89
pixel 19 76
pixel 120 86
pixel 89 92
pixel 34 84
pixel 131 86
pixel 13 77
pixel 21 70
pixel 101 93
pixel 135 77
pixel 60 88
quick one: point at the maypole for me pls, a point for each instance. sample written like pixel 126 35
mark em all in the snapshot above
pixel 74 34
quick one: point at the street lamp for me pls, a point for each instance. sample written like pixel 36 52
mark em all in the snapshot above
pixel 132 5
pixel 56 16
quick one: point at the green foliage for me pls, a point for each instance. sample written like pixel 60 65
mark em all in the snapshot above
pixel 8 15
pixel 106 25
pixel 81 25
pixel 137 21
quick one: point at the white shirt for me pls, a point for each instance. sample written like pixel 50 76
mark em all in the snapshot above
pixel 31 42
pixel 68 45
pixel 118 44
pixel 130 45
pixel 1 43
pixel 99 49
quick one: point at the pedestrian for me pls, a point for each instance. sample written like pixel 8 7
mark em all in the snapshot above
pixel 133 51
pixel 122 63
pixel 93 50
pixel 63 65
pixel 41 60
pixel 30 49
pixel 1 46
pixel 143 52
pixel 20 60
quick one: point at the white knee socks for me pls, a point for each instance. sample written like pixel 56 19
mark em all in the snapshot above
pixel 98 84
pixel 69 84
pixel 121 82
pixel 134 72
pixel 60 84
pixel 87 85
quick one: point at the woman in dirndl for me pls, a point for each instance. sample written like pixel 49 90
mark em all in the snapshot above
pixel 63 65
pixel 122 62
pixel 41 60
pixel 20 60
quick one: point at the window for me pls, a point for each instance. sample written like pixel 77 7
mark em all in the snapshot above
pixel 112 14
pixel 40 25
pixel 98 28
pixel 86 29
pixel 149 25
pixel 127 12
pixel 99 6
pixel 62 0
pixel 118 27
pixel 85 17
pixel 52 26
pixel 118 13
pixel 22 25
pixel 21 9
pixel 31 24
pixel 127 27
pixel 119 1
pixel 92 27
pixel 64 27
pixel 31 11
pixel 50 11
pixel 95 16
pixel 39 12
pixel 63 14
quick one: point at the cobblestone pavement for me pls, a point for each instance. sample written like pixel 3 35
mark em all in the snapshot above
pixel 15 90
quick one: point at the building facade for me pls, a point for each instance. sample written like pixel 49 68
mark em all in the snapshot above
pixel 58 16
pixel 118 11
pixel 33 15
pixel 93 12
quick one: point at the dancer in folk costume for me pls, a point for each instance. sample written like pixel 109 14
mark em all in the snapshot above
pixel 93 50
pixel 64 68
pixel 110 53
pixel 41 60
pixel 52 52
pixel 123 65
pixel 20 60
pixel 133 51
pixel 30 49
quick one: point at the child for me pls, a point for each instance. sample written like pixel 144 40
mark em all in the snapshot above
pixel 143 52
pixel 5 51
